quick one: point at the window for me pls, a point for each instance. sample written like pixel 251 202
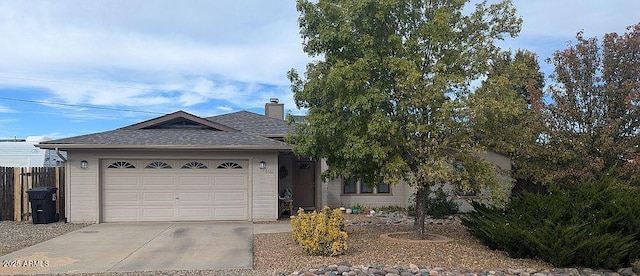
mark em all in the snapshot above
pixel 121 165
pixel 194 165
pixel 158 165
pixel 350 186
pixel 229 165
pixel 365 189
pixel 383 188
pixel 355 187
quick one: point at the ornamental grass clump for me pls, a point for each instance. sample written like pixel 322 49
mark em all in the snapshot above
pixel 320 234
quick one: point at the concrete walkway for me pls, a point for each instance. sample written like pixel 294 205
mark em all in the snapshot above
pixel 140 246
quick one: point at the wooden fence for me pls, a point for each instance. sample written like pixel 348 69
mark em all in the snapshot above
pixel 14 184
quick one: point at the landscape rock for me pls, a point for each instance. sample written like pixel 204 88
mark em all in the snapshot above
pixel 414 270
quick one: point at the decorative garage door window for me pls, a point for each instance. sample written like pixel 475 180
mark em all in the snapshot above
pixel 158 165
pixel 121 165
pixel 229 165
pixel 194 165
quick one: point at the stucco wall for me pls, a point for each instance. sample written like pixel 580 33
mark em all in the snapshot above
pixel 398 197
pixel 401 192
pixel 265 187
pixel 83 190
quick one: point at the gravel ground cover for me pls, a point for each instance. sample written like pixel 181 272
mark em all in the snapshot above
pixel 15 235
pixel 277 254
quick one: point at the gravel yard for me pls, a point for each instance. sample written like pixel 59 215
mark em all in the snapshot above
pixel 16 235
pixel 277 254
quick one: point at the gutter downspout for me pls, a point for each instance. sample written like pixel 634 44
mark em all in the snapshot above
pixel 60 155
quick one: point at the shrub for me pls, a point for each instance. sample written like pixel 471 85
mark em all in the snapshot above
pixel 358 206
pixel 593 224
pixel 439 205
pixel 320 234
pixel 391 208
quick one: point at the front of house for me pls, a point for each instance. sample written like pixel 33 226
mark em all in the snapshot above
pixel 181 167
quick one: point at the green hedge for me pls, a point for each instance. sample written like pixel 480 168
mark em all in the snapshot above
pixel 594 224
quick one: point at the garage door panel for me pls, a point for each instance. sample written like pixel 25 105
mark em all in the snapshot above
pixel 231 182
pixel 194 198
pixel 158 182
pixel 160 193
pixel 122 183
pixel 194 182
pixel 229 197
pixel 195 213
pixel 113 198
pixel 158 197
pixel 158 213
pixel 230 213
pixel 121 214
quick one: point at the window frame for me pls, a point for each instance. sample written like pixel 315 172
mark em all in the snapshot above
pixel 359 185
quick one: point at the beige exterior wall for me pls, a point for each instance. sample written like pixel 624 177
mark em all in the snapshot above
pixel 331 191
pixel 265 187
pixel 83 189
pixel 399 196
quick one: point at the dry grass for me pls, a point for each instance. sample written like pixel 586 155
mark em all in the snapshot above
pixel 279 251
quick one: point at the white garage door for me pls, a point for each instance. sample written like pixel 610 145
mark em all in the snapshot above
pixel 175 190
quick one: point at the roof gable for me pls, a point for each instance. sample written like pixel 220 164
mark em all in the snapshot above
pixel 250 122
pixel 179 120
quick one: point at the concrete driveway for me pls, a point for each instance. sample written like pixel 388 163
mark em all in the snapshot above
pixel 152 246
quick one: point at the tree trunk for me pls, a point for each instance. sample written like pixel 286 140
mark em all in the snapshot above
pixel 422 194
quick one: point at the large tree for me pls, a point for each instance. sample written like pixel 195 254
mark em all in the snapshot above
pixel 594 115
pixel 508 112
pixel 386 96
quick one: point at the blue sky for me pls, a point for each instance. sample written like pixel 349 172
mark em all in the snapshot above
pixel 75 67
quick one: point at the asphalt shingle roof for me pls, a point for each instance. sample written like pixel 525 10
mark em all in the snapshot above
pixel 250 122
pixel 240 130
pixel 200 138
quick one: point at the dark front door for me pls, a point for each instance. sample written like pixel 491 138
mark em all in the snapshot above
pixel 304 185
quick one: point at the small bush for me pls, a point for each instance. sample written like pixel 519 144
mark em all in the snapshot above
pixel 358 206
pixel 391 208
pixel 593 224
pixel 320 234
pixel 439 205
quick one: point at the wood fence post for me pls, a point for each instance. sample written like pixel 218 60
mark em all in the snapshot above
pixel 17 195
pixel 56 181
pixel 25 197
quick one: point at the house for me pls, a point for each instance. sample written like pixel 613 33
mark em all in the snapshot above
pixel 24 153
pixel 181 167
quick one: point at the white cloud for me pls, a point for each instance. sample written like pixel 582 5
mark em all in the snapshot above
pixel 5 109
pixel 224 108
pixel 162 54
pixel 209 37
pixel 567 17
pixel 200 55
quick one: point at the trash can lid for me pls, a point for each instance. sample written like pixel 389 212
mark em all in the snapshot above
pixel 42 189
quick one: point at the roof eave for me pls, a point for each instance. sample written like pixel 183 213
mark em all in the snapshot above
pixel 164 147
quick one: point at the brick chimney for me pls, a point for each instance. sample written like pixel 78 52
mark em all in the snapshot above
pixel 274 109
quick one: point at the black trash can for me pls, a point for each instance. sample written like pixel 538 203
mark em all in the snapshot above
pixel 43 204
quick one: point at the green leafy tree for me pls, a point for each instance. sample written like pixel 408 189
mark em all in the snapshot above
pixel 386 96
pixel 594 118
pixel 508 110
